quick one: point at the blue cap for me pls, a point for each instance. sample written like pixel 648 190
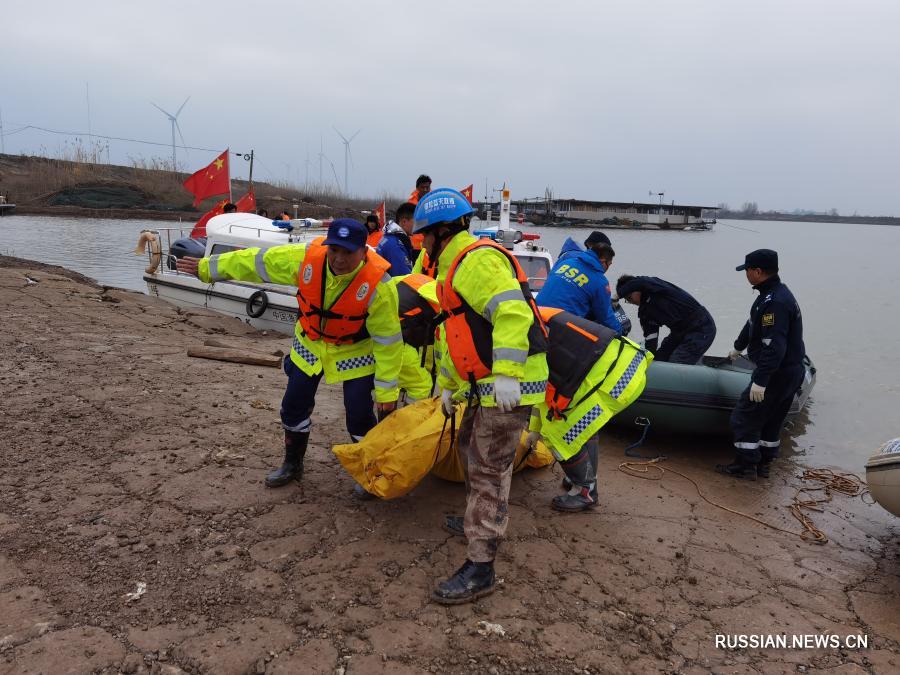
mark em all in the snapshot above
pixel 443 205
pixel 347 233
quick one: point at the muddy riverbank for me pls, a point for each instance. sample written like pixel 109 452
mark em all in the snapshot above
pixel 136 534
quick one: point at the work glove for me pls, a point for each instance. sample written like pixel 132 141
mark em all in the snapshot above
pixel 734 354
pixel 531 440
pixel 447 404
pixel 757 393
pixel 506 392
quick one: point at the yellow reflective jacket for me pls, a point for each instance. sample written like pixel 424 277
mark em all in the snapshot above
pixel 616 380
pixel 380 353
pixel 487 283
pixel 415 379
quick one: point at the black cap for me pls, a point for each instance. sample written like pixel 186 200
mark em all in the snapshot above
pixel 597 237
pixel 765 258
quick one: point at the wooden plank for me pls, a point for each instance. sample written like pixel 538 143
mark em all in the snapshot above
pixel 235 356
pixel 216 342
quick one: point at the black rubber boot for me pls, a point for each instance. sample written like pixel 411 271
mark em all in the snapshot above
pixel 455 525
pixel 294 451
pixel 738 469
pixel 762 469
pixel 582 474
pixel 471 581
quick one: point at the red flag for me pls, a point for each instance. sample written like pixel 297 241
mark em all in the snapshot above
pixel 247 203
pixel 200 228
pixel 211 180
pixel 379 211
pixel 467 192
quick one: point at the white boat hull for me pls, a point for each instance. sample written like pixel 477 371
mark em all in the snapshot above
pixel 883 476
pixel 230 298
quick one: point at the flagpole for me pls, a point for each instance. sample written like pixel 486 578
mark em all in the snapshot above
pixel 250 180
pixel 230 198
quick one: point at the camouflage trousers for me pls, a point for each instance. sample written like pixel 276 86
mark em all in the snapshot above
pixel 487 448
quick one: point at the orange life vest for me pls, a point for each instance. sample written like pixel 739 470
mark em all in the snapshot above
pixel 575 345
pixel 374 237
pixel 468 334
pixel 417 314
pixel 345 320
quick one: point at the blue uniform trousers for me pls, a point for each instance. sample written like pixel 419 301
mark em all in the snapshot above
pixel 688 347
pixel 300 399
pixel 757 426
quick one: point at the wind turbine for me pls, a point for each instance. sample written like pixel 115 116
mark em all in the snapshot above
pixel 347 156
pixel 174 120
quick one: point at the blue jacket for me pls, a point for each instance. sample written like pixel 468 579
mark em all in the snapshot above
pixel 773 336
pixel 396 248
pixel 578 284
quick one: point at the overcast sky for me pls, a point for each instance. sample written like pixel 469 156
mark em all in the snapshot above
pixel 788 103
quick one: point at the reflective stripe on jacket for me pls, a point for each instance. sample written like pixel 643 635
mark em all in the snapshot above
pixel 493 328
pixel 615 381
pixel 575 345
pixel 380 353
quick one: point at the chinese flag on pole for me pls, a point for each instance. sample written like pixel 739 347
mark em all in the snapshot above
pixel 247 203
pixel 210 181
pixel 200 228
pixel 467 192
pixel 379 211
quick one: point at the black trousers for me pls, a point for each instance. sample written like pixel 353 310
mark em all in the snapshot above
pixel 688 347
pixel 757 426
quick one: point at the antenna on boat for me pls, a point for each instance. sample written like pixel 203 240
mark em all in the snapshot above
pixel 347 156
pixel 174 120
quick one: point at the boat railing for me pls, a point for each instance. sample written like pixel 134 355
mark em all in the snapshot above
pixel 167 258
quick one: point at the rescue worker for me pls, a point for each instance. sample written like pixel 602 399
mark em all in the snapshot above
pixel 660 303
pixel 493 355
pixel 395 245
pixel 373 225
pixel 577 283
pixel 348 328
pixel 593 374
pixel 773 338
pixel 418 306
pixel 423 187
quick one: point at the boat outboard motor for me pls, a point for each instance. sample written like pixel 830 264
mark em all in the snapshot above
pixel 193 248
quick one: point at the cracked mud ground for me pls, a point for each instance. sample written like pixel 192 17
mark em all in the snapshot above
pixel 123 461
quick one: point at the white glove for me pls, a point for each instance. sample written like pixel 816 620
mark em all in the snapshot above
pixel 531 440
pixel 506 392
pixel 757 393
pixel 734 354
pixel 447 404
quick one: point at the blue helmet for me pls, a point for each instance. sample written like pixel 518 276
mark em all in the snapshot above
pixel 438 207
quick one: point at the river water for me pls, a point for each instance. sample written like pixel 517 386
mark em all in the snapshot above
pixel 843 275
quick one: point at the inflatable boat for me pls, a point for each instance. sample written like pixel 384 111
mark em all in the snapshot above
pixel 699 399
pixel 883 476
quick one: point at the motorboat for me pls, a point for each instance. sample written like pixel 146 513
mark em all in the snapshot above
pixel 698 399
pixel 268 306
pixel 883 476
pixel 265 306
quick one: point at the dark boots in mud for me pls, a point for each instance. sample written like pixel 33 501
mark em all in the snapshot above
pixel 470 582
pixel 581 477
pixel 295 444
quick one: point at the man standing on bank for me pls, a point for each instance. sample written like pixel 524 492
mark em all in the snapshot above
pixel 493 354
pixel 691 327
pixel 348 329
pixel 773 337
